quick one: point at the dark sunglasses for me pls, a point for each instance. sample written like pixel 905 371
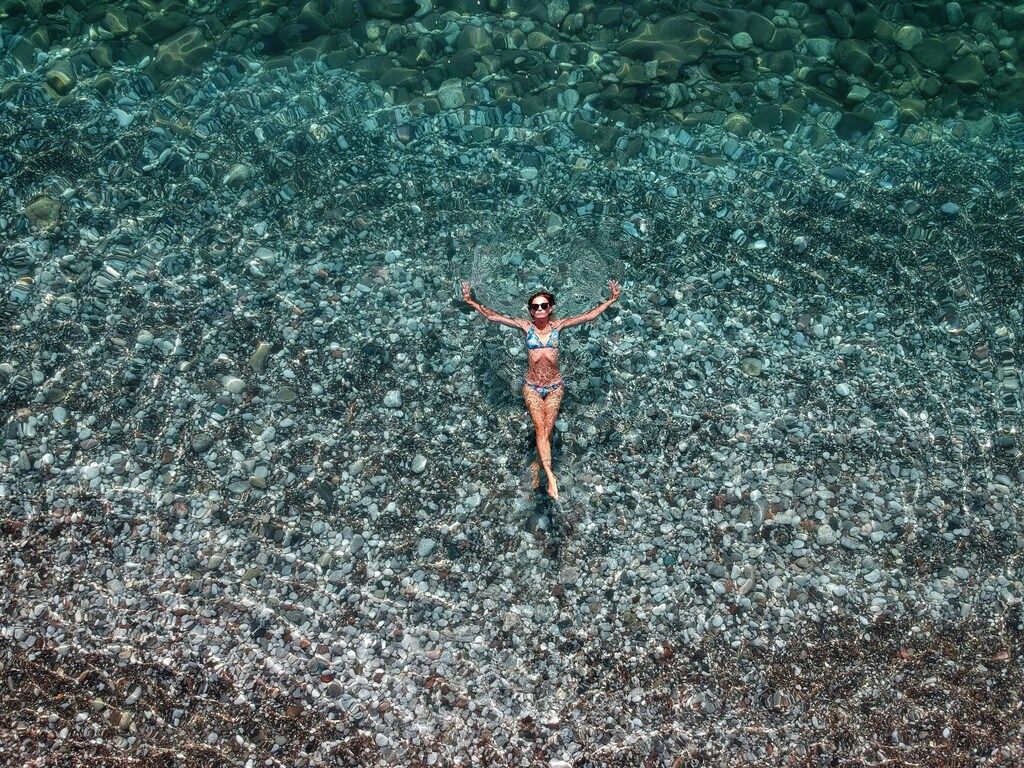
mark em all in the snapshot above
pixel 539 305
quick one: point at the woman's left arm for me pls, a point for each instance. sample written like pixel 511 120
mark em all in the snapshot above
pixel 586 317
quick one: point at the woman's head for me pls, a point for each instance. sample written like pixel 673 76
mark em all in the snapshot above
pixel 539 298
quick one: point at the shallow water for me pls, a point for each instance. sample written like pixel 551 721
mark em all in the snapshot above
pixel 264 476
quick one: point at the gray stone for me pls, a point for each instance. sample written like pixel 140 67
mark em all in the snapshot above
pixel 425 547
pixel 202 442
pixel 258 359
pixel 932 53
pixel 286 395
pixel 742 40
pixel 968 72
pixel 450 94
pixel 908 37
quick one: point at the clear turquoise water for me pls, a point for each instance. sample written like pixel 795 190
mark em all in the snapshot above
pixel 258 458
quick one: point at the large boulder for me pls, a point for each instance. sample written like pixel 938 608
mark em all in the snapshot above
pixel 158 29
pixel 968 72
pixel 672 42
pixel 182 52
pixel 933 53
pixel 390 9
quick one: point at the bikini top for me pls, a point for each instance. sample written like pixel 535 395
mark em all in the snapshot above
pixel 533 341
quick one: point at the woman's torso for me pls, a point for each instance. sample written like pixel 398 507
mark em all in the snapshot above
pixel 542 355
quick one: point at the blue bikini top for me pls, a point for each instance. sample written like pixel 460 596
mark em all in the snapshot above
pixel 533 341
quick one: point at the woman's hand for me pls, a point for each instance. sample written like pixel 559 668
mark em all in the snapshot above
pixel 613 286
pixel 467 293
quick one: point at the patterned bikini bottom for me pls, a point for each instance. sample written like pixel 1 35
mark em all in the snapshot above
pixel 546 389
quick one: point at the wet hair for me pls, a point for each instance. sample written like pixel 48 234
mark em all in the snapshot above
pixel 547 295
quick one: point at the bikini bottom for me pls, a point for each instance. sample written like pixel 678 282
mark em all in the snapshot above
pixel 545 390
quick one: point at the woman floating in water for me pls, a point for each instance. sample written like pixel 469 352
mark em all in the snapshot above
pixel 542 400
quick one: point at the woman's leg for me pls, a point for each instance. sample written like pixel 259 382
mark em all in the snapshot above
pixel 535 404
pixel 551 404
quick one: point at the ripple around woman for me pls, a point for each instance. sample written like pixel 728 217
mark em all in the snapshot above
pixel 542 400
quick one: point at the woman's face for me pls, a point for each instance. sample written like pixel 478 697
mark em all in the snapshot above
pixel 540 307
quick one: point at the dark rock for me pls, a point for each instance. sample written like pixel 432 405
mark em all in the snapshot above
pixel 473 38
pixel 792 114
pixel 673 42
pixel 766 116
pixel 1013 18
pixel 932 53
pixel 724 63
pixel 759 28
pixel 389 9
pixel 182 52
pixel 118 22
pixel 726 20
pixel 463 64
pixel 838 24
pixel 61 79
pixel 852 126
pixel 968 72
pixel 157 29
pixel 864 23
pixel 780 62
pixel 852 55
pixel 816 25
pixel 784 39
pixel 929 86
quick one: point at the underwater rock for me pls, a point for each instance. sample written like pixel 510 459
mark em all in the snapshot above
pixel 394 10
pixel 61 79
pixel 161 27
pixel 908 37
pixel 933 53
pixel 674 41
pixel 182 52
pixel 43 212
pixel 968 72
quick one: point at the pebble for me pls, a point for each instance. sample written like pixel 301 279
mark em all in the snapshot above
pixel 258 359
pixel 425 547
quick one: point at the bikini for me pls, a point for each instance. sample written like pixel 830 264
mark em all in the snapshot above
pixel 533 342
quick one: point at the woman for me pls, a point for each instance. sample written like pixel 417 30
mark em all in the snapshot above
pixel 542 386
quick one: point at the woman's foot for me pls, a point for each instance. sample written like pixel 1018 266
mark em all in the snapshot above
pixel 535 474
pixel 552 486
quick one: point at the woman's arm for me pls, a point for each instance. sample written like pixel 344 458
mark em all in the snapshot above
pixel 489 313
pixel 586 317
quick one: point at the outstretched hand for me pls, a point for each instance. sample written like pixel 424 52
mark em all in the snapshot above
pixel 467 292
pixel 613 286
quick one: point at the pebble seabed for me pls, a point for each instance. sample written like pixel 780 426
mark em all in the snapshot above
pixel 262 503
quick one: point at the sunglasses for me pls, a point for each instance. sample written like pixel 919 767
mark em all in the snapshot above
pixel 539 305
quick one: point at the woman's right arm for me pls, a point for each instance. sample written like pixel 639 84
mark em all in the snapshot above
pixel 489 313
